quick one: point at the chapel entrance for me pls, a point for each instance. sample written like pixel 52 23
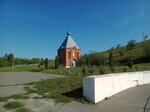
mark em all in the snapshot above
pixel 73 63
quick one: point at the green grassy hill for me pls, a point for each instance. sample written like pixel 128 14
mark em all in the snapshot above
pixel 121 55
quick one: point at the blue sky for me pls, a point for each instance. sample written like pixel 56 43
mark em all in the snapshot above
pixel 36 28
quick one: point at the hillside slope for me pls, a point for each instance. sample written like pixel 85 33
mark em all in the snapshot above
pixel 121 55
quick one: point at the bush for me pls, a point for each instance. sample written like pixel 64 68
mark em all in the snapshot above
pixel 131 44
pixel 46 63
pixel 130 63
pixel 147 52
pixel 13 105
pixel 85 71
pixel 124 69
pixel 91 71
pixel 101 70
pixel 136 68
pixel 37 69
pixel 112 69
pixel 56 62
pixel 118 46
pixel 110 59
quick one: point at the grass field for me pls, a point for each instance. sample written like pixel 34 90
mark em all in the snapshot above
pixel 61 89
pixel 13 105
pixel 21 68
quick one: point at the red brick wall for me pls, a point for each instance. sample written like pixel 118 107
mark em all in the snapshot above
pixel 67 55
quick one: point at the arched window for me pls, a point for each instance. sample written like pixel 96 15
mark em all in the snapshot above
pixel 77 54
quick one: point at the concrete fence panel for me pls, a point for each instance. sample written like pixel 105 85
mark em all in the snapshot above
pixel 97 88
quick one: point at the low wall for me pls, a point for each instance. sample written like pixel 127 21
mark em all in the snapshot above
pixel 97 88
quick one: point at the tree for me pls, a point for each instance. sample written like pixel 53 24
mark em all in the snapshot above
pixel 112 48
pixel 131 44
pixel 118 46
pixel 88 61
pixel 147 52
pixel 46 63
pixel 81 61
pixel 11 59
pixel 56 62
pixel 130 63
pixel 144 36
pixel 6 55
pixel 100 61
pixel 110 59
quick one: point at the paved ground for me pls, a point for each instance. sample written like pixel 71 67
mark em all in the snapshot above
pixel 11 82
pixel 13 78
pixel 135 99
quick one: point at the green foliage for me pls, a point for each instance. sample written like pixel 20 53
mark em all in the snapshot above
pixel 131 44
pixel 29 89
pixel 82 61
pixel 13 105
pixel 23 110
pixel 147 52
pixel 84 71
pixel 124 69
pixel 93 59
pixel 88 61
pixel 112 48
pixel 3 99
pixel 130 62
pixel 88 71
pixel 136 68
pixel 61 89
pixel 9 60
pixel 102 70
pixel 118 46
pixel 69 72
pixel 46 63
pixel 100 60
pixel 121 52
pixel 56 62
pixel 113 70
pixel 111 59
pixel 91 71
pixel 39 69
pixel 121 55
pixel 42 62
pixel 18 96
pixel 4 62
pixel 18 69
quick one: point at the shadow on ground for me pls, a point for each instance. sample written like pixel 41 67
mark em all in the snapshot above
pixel 76 94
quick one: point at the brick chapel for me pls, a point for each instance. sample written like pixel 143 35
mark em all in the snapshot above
pixel 68 52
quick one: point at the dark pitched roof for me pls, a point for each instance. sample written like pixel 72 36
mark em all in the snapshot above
pixel 69 42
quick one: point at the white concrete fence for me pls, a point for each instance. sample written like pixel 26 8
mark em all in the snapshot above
pixel 97 88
